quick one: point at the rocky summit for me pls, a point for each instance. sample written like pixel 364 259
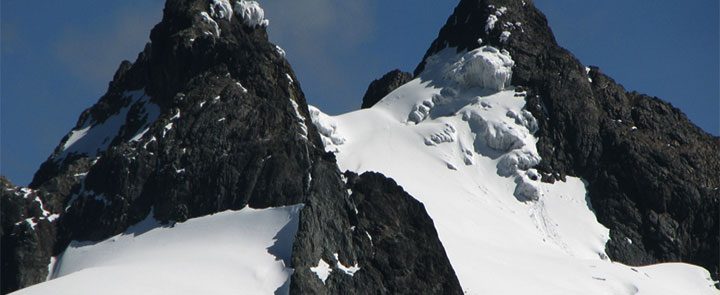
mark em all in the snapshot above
pixel 501 157
pixel 653 175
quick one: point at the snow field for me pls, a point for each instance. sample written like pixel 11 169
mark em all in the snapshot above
pixel 458 139
pixel 246 251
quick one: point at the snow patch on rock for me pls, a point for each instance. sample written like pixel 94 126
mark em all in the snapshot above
pixel 504 37
pixel 92 137
pixel 300 119
pixel 280 51
pixel 221 9
pixel 322 270
pixel 251 13
pixel 348 270
pixel 490 23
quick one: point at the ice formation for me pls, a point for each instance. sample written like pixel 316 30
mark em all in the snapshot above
pixel 252 14
pixel 484 67
pixel 459 139
pixel 221 9
pixel 504 36
pixel 327 128
pixel 490 23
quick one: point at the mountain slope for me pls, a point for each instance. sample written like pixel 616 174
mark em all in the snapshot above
pixel 209 118
pixel 459 138
pixel 653 175
pixel 502 166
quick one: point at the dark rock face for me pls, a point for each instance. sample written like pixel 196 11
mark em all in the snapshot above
pixel 382 230
pixel 210 119
pixel 653 175
pixel 27 235
pixel 381 87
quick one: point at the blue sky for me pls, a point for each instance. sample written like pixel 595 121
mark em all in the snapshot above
pixel 58 56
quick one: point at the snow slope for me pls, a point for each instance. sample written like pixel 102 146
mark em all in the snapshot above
pixel 232 252
pixel 458 139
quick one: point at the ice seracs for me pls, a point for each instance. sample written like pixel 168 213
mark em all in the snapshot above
pixel 485 67
pixel 459 139
pixel 327 128
pixel 251 13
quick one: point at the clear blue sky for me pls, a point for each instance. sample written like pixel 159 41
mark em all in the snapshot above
pixel 58 56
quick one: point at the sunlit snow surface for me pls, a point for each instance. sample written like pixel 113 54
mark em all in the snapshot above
pixel 458 139
pixel 232 252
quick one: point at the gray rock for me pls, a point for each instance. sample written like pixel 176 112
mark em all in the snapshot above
pixel 381 87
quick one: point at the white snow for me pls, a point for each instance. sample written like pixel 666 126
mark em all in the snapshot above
pixel 490 23
pixel 327 128
pixel 243 89
pixel 459 140
pixel 300 119
pixel 176 116
pixel 221 9
pixel 252 14
pixel 322 270
pixel 246 251
pixel 504 36
pixel 587 72
pixel 95 137
pixel 485 67
pixel 51 267
pixel 290 79
pixel 167 128
pixel 30 221
pixel 280 51
pixel 348 270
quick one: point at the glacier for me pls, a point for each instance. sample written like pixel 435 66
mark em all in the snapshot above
pixel 459 140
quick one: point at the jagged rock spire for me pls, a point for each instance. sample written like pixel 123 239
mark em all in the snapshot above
pixel 210 117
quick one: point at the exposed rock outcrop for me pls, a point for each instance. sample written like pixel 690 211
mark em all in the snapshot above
pixel 381 87
pixel 208 118
pixel 653 175
pixel 382 231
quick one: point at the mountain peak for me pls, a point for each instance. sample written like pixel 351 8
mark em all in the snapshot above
pixel 506 24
